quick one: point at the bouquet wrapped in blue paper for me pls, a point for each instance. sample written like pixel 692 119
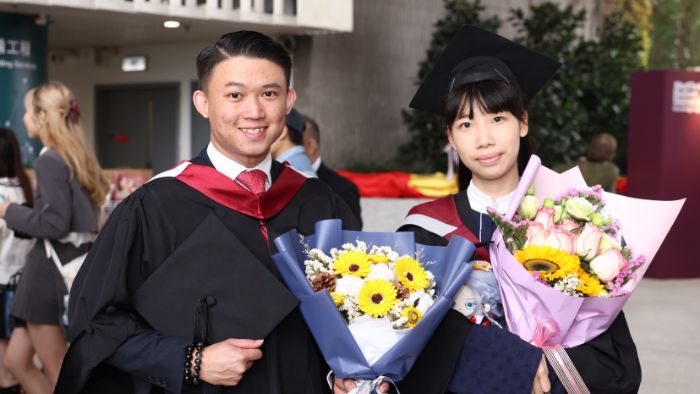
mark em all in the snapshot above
pixel 371 300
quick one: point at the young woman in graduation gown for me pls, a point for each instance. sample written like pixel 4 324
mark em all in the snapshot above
pixel 481 85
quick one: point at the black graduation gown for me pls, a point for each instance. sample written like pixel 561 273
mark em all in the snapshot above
pixel 168 227
pixel 480 356
pixel 347 190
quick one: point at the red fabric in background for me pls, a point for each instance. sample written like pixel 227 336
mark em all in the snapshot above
pixel 621 185
pixel 391 184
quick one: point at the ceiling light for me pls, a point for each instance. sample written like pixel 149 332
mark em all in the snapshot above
pixel 171 24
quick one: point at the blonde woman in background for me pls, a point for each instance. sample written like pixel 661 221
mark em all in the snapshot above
pixel 15 186
pixel 70 189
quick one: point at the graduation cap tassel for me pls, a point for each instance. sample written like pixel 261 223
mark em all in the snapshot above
pixel 201 323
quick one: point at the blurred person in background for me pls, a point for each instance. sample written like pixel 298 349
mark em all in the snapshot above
pixel 14 186
pixel 597 165
pixel 289 146
pixel 347 190
pixel 70 188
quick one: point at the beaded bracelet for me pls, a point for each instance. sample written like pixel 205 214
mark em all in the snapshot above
pixel 193 363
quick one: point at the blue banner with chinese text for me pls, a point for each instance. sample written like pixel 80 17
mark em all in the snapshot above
pixel 23 64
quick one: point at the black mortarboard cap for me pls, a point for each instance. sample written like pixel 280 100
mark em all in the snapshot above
pixel 295 121
pixel 213 282
pixel 475 55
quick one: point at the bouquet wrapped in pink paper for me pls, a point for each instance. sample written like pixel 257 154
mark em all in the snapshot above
pixel 571 257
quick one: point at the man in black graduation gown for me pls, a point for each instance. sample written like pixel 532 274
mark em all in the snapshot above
pixel 186 258
pixel 347 190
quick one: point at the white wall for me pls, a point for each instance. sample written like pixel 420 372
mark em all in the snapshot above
pixel 82 71
pixel 354 84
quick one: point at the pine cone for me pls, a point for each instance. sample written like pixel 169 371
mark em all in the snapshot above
pixel 324 280
pixel 402 292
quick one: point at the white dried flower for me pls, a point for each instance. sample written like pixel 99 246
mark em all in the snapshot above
pixel 349 285
pixel 351 308
pixel 400 323
pixel 381 271
pixel 420 300
pixel 568 285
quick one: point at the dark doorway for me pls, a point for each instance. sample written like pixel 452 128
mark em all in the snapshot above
pixel 136 125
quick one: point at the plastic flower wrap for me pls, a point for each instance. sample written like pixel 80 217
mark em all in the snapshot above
pixel 563 271
pixel 371 300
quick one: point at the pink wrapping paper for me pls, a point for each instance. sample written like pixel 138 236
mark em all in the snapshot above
pixel 643 223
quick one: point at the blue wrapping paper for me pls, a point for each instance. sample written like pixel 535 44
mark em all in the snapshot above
pixel 448 265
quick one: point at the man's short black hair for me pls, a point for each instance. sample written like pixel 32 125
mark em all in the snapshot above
pixel 242 43
pixel 296 137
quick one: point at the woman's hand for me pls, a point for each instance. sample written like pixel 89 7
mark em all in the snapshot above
pixel 3 206
pixel 541 385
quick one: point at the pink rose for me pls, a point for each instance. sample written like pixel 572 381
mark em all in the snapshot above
pixel 568 225
pixel 566 241
pixel 608 264
pixel 587 241
pixel 555 239
pixel 545 216
pixel 607 242
pixel 532 229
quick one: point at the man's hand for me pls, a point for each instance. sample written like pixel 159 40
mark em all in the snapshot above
pixel 541 385
pixel 343 386
pixel 225 363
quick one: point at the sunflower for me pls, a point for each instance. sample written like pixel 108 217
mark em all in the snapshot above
pixel 378 258
pixel 377 297
pixel 353 263
pixel 589 285
pixel 411 274
pixel 550 263
pixel 337 298
pixel 412 314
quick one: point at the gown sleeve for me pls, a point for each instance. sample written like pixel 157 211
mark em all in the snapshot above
pixel 101 317
pixel 424 236
pixel 154 357
pixel 343 211
pixel 608 363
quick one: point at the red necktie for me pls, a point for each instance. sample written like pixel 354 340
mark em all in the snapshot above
pixel 254 180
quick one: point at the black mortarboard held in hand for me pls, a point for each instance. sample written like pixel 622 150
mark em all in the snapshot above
pixel 213 288
pixel 295 122
pixel 475 55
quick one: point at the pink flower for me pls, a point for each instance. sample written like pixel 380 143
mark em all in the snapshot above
pixel 545 216
pixel 568 225
pixel 532 229
pixel 608 264
pixel 588 241
pixel 607 242
pixel 555 238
